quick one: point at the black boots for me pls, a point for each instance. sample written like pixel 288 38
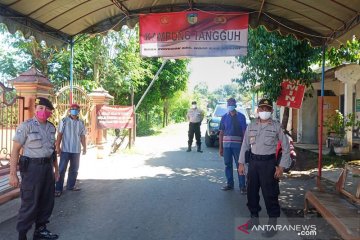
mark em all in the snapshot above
pixel 22 236
pixel 198 148
pixel 42 233
pixel 254 221
pixel 189 148
pixel 272 228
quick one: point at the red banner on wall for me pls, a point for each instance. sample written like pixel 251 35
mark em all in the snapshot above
pixel 291 95
pixel 197 34
pixel 114 116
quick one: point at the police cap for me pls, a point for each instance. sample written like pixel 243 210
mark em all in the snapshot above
pixel 265 102
pixel 44 101
pixel 193 102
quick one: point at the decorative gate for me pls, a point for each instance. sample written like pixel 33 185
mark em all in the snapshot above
pixel 80 97
pixel 11 115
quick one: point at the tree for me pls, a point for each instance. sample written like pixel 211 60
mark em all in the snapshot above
pixel 12 59
pixel 271 59
pixel 201 89
pixel 346 53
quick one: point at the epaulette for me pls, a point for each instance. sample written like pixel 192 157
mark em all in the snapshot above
pixel 51 124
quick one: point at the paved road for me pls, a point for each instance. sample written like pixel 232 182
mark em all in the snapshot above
pixel 155 191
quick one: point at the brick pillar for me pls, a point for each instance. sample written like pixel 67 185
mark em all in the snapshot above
pixel 99 97
pixel 30 85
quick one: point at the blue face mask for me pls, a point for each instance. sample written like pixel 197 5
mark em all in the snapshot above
pixel 74 112
pixel 231 108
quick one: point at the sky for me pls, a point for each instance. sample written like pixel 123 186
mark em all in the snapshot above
pixel 214 71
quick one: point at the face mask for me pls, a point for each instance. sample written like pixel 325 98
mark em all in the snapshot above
pixel 74 112
pixel 43 115
pixel 194 106
pixel 264 115
pixel 231 108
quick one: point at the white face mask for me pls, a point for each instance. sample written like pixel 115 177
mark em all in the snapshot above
pixel 193 106
pixel 264 115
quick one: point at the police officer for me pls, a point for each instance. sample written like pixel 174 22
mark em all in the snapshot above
pixel 262 137
pixel 195 117
pixel 36 137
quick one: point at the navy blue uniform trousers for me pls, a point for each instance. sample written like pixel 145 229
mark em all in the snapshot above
pixel 261 175
pixel 37 195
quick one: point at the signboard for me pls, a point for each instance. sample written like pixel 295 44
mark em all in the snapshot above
pixel 291 95
pixel 114 116
pixel 357 105
pixel 193 34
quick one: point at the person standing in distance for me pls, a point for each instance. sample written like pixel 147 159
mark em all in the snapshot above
pixel 232 129
pixel 36 137
pixel 195 117
pixel 261 137
pixel 71 135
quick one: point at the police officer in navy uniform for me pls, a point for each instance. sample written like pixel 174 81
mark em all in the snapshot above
pixel 36 137
pixel 261 137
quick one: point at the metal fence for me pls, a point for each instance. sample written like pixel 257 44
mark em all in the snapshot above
pixel 11 115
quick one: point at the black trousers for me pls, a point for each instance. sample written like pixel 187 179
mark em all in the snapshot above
pixel 37 196
pixel 261 175
pixel 194 128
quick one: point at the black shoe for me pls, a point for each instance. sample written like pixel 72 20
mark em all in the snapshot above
pixel 227 188
pixel 243 191
pixel 189 149
pixel 199 150
pixel 254 221
pixel 22 236
pixel 42 233
pixel 272 232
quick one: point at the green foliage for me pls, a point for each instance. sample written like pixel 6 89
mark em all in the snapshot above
pixel 12 60
pixel 111 61
pixel 178 107
pixel 346 53
pixel 271 59
pixel 339 125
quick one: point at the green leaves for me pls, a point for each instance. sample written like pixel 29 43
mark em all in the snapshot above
pixel 272 59
pixel 346 53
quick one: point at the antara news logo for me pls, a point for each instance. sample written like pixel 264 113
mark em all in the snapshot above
pixel 301 229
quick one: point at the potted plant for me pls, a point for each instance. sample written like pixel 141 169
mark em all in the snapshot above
pixel 337 126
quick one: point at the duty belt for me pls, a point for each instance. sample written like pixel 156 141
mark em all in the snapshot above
pixel 39 160
pixel 257 157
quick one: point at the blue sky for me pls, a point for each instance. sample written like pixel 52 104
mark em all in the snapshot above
pixel 214 71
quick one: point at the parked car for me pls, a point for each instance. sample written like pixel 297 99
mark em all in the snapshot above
pixel 213 123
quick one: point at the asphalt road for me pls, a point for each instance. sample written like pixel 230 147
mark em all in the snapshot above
pixel 155 191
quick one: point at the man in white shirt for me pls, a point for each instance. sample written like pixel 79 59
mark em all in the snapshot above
pixel 71 135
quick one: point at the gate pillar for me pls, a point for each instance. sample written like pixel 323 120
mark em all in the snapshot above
pixel 30 85
pixel 99 97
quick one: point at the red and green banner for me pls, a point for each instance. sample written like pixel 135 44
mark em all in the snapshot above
pixel 193 34
pixel 114 116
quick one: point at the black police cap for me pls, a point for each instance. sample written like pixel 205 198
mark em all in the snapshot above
pixel 193 102
pixel 265 102
pixel 44 101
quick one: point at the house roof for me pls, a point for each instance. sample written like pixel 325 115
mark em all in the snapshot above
pixel 321 21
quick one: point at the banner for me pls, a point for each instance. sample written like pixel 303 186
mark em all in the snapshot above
pixel 193 34
pixel 291 95
pixel 114 116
